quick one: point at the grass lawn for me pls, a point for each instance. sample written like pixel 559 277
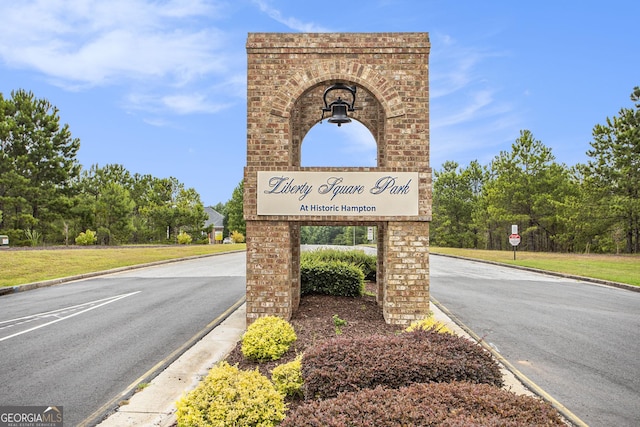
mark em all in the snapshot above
pixel 19 267
pixel 27 266
pixel 616 268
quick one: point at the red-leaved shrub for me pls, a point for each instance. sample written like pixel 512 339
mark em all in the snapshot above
pixel 345 365
pixel 457 404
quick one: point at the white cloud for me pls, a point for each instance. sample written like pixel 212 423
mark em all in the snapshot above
pixel 156 122
pixel 289 22
pixel 94 43
pixel 478 107
pixel 183 101
pixel 124 55
pixel 469 114
pixel 191 103
pixel 454 67
pixel 142 45
pixel 180 103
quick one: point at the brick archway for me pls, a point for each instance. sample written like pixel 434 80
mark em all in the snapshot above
pixel 361 75
pixel 287 75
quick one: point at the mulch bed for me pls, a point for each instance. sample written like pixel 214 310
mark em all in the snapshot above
pixel 313 323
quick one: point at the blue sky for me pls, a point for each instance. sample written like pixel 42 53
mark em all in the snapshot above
pixel 159 86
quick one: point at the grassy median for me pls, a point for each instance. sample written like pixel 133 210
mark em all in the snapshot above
pixel 18 267
pixel 616 268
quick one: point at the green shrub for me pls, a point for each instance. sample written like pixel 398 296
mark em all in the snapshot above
pixel 86 238
pixel 336 278
pixel 456 404
pixel 104 236
pixel 229 396
pixel 16 237
pixel 338 323
pixel 184 238
pixel 268 338
pixel 366 263
pixel 202 240
pixel 421 356
pixel 33 236
pixel 287 378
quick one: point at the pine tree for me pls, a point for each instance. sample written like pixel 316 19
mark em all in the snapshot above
pixel 37 164
pixel 612 176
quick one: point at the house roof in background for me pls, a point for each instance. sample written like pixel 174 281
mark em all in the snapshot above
pixel 215 218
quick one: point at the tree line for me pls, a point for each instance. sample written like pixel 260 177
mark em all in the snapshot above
pixel 46 197
pixel 591 207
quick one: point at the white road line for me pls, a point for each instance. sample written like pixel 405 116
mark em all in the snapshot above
pixel 59 310
pixel 94 304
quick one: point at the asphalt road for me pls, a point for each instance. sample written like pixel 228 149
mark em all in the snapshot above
pixel 80 344
pixel 578 341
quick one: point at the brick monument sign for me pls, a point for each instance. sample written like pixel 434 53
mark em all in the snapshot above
pixel 378 79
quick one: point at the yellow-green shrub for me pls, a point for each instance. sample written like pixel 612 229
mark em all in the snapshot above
pixel 237 237
pixel 287 377
pixel 86 238
pixel 229 396
pixel 268 338
pixel 184 238
pixel 429 323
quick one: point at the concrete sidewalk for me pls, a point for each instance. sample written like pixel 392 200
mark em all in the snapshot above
pixel 156 404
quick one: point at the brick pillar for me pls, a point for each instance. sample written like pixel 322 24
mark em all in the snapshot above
pixel 406 294
pixel 294 275
pixel 269 266
pixel 380 270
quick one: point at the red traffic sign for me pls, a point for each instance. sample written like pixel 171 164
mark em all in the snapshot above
pixel 514 239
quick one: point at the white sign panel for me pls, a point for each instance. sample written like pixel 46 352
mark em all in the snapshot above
pixel 338 193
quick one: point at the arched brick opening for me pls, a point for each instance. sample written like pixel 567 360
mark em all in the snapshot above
pixel 305 113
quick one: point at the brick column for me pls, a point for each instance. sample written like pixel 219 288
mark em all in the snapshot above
pixel 406 294
pixel 380 268
pixel 294 274
pixel 269 265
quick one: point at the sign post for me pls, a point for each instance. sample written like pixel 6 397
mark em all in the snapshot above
pixel 514 239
